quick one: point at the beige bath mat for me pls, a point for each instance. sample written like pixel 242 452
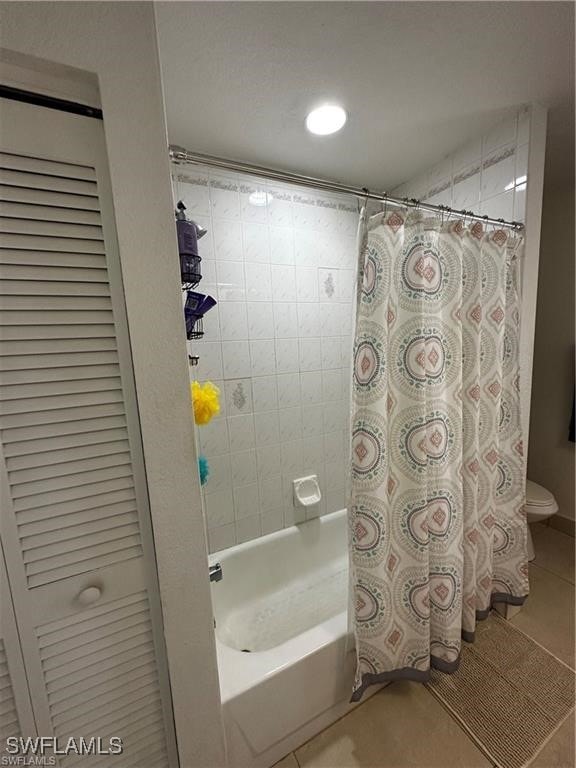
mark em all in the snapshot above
pixel 509 694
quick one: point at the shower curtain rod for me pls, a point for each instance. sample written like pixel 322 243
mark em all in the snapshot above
pixel 181 155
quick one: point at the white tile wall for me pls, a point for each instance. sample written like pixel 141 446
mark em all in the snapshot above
pixel 278 345
pixel 488 175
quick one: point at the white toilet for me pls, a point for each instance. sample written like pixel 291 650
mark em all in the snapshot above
pixel 540 504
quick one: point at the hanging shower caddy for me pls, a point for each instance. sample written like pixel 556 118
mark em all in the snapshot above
pixel 188 235
pixel 197 304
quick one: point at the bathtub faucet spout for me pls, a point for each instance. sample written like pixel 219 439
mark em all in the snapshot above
pixel 216 572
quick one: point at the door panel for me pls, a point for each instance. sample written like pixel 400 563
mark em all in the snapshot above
pixel 75 519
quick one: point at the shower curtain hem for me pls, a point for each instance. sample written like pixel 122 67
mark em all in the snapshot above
pixel 497 597
pixel 448 667
pixel 405 673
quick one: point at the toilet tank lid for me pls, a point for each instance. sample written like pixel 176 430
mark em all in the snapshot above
pixel 537 496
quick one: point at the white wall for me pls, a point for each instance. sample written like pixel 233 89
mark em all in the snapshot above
pixel 488 175
pixel 279 346
pixel 500 175
pixel 551 455
pixel 117 43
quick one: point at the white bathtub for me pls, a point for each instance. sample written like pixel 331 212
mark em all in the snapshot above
pixel 285 657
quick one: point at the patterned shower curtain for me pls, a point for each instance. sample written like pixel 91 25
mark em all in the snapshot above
pixel 437 509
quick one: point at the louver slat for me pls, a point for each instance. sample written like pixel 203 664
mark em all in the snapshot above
pixel 109 405
pixel 112 727
pixel 60 388
pixel 92 521
pixel 33 407
pixel 58 442
pixel 69 468
pixel 46 352
pixel 43 288
pixel 48 228
pixel 52 259
pixel 33 303
pixel 57 317
pixel 46 197
pixel 49 502
pixel 46 167
pixel 73 534
pixel 68 525
pixel 48 518
pixel 87 542
pixel 73 695
pixel 48 182
pixel 56 244
pixel 62 682
pixel 121 555
pixel 79 427
pixel 24 493
pixel 70 373
pixel 65 455
pixel 99 671
pixel 50 213
pixel 40 332
pixel 52 272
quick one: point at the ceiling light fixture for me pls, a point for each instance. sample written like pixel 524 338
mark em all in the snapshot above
pixel 326 119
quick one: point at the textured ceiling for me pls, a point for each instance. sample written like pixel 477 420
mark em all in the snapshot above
pixel 417 79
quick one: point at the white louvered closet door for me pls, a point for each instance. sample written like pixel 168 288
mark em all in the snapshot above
pixel 75 520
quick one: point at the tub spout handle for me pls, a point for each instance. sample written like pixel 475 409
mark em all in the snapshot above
pixel 216 572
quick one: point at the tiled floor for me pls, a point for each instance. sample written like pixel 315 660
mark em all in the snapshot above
pixel 404 725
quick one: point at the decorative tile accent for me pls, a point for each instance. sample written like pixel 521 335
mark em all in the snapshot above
pixel 328 284
pixel 238 396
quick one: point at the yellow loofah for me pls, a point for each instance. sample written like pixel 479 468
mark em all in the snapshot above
pixel 206 401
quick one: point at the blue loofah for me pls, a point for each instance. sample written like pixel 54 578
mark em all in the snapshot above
pixel 204 470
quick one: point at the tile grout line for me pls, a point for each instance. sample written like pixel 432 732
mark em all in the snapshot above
pixel 561 661
pixel 535 564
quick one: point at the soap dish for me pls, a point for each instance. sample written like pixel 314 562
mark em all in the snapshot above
pixel 306 491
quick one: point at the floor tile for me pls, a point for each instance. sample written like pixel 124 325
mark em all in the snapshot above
pixel 402 725
pixel 559 752
pixel 548 614
pixel 554 551
pixel 287 762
